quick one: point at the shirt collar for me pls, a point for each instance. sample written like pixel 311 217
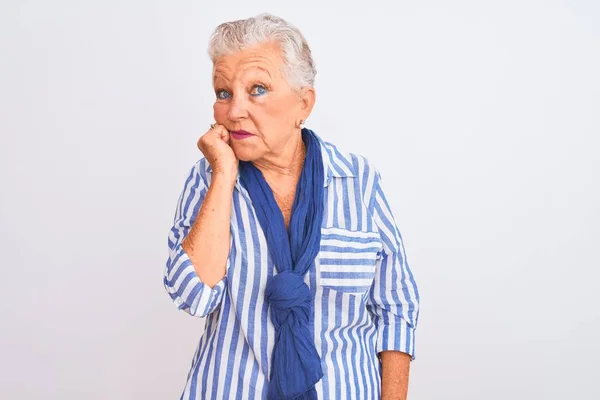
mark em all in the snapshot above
pixel 335 164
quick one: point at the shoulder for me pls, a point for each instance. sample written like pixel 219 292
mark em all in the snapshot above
pixel 200 173
pixel 202 167
pixel 352 164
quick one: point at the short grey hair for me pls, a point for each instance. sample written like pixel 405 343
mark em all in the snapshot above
pixel 234 36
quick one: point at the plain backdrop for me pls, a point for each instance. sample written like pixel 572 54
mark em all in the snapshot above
pixel 482 116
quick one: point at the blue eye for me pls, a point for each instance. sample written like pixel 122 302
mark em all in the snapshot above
pixel 258 90
pixel 222 94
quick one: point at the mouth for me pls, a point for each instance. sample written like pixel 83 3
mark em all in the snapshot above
pixel 241 134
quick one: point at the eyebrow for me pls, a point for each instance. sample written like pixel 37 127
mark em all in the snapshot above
pixel 219 75
pixel 264 70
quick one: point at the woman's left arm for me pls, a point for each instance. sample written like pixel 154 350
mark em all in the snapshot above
pixel 395 367
pixel 393 300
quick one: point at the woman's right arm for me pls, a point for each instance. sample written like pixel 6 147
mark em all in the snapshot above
pixel 207 243
pixel 200 237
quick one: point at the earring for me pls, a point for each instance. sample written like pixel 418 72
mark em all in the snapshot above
pixel 301 124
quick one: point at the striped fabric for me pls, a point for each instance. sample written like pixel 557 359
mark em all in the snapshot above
pixel 365 296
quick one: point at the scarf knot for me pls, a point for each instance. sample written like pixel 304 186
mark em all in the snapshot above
pixel 290 300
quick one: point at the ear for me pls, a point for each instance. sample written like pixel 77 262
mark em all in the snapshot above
pixel 307 99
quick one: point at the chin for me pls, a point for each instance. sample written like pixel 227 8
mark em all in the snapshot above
pixel 246 154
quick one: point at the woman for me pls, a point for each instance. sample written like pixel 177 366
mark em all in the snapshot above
pixel 285 243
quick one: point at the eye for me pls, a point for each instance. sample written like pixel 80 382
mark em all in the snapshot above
pixel 222 94
pixel 258 90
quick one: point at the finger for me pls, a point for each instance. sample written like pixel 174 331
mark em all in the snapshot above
pixel 221 131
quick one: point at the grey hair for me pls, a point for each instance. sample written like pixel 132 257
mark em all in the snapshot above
pixel 234 36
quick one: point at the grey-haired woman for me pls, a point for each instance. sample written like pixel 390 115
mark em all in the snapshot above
pixel 285 243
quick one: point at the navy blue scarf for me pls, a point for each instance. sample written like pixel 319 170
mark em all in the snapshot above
pixel 296 366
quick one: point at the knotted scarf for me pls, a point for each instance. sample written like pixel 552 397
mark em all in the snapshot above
pixel 296 366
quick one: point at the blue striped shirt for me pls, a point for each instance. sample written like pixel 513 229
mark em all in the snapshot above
pixel 365 296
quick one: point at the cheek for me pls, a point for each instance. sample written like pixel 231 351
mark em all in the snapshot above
pixel 278 110
pixel 220 112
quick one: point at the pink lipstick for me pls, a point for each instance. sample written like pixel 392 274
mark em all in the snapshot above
pixel 238 135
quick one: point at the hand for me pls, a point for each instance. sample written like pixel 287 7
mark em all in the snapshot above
pixel 214 144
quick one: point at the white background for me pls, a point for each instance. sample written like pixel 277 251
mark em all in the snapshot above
pixel 482 116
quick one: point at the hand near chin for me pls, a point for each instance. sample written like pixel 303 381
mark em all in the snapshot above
pixel 214 144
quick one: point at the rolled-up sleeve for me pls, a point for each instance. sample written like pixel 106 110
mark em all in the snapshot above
pixel 394 297
pixel 181 281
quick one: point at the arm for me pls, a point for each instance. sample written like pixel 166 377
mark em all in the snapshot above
pixel 395 367
pixel 207 243
pixel 393 300
pixel 195 271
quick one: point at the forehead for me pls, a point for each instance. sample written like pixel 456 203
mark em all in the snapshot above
pixel 264 58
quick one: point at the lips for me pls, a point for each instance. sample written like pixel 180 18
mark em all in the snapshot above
pixel 241 134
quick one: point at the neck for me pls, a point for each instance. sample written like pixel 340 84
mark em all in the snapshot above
pixel 287 163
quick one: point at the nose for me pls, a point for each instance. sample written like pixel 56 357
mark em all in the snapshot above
pixel 238 109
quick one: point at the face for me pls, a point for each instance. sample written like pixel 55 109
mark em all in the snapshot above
pixel 253 96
